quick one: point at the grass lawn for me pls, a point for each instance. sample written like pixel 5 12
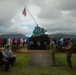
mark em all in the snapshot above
pixel 61 57
pixel 21 66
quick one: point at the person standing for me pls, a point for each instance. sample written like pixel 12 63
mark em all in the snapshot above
pixel 68 49
pixel 53 50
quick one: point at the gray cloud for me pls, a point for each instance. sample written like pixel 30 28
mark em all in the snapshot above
pixel 9 9
pixel 67 5
pixel 56 16
pixel 11 17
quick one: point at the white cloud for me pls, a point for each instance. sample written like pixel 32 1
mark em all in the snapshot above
pixel 56 16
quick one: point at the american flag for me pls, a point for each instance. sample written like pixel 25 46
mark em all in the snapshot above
pixel 24 12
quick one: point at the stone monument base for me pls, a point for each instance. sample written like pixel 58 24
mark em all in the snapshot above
pixel 39 42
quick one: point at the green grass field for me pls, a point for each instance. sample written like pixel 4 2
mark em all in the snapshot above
pixel 21 66
pixel 61 57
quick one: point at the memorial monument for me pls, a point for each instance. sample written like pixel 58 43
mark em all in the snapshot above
pixel 39 40
pixel 38 31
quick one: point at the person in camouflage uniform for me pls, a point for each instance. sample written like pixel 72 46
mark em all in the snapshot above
pixel 68 49
pixel 53 50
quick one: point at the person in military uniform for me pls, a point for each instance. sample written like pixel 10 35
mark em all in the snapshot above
pixel 53 50
pixel 68 49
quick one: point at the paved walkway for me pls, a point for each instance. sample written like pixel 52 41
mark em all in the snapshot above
pixel 42 59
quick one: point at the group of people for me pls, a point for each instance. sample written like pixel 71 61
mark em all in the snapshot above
pixel 13 41
pixel 7 58
pixel 68 47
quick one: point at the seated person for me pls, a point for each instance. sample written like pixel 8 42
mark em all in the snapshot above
pixel 10 51
pixel 9 55
pixel 3 61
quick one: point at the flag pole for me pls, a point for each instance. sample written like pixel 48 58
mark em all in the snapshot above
pixel 31 16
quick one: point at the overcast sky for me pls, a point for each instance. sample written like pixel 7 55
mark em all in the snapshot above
pixel 56 16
